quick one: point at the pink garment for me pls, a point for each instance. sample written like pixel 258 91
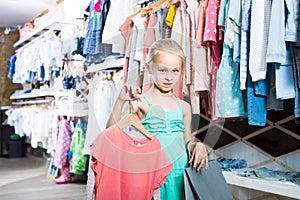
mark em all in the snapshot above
pixel 201 23
pixel 149 40
pixel 97 6
pixel 213 32
pixel 126 168
pixel 150 32
pixel 126 32
pixel 64 139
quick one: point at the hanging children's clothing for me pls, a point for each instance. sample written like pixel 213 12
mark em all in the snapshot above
pixel 60 158
pixel 78 161
pixel 131 168
pixel 169 128
pixel 101 100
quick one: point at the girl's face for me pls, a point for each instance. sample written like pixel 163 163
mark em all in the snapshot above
pixel 166 70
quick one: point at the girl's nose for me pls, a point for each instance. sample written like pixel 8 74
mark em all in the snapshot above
pixel 169 76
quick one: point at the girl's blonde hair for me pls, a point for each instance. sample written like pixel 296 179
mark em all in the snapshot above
pixel 166 46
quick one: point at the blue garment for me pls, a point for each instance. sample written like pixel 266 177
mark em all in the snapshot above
pixel 229 163
pixel 229 97
pixel 285 87
pixel 268 174
pixel 257 99
pixel 292 29
pixel 11 65
pixel 276 51
pixel 295 50
pixel 246 20
pixel 96 23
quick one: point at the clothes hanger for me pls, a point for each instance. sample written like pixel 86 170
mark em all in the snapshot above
pixel 132 119
pixel 150 8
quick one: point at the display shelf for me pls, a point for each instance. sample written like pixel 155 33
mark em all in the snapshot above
pixel 71 113
pixel 40 32
pixel 31 102
pixel 37 94
pixel 286 189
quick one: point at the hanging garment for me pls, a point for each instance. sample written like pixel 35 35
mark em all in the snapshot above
pixel 97 19
pixel 118 11
pixel 126 168
pixel 276 49
pixel 79 160
pixel 292 30
pixel 259 32
pixel 169 128
pixel 101 100
pixel 63 144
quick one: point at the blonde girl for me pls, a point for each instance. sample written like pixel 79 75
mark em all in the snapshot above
pixel 165 116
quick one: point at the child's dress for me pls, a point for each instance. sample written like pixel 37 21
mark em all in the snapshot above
pixel 169 128
pixel 60 158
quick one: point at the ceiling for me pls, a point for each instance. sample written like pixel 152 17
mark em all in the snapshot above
pixel 14 13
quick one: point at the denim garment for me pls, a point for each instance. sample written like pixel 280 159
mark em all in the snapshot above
pixel 285 88
pixel 11 65
pixel 267 174
pixel 96 24
pixel 276 51
pixel 292 29
pixel 228 163
pixel 41 73
pixel 296 69
pixel 257 99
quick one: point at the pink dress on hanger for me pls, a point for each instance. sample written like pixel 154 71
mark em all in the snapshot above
pixel 64 139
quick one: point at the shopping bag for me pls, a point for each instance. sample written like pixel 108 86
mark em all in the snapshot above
pixel 206 184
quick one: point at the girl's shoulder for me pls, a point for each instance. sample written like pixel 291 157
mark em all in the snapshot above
pixel 186 107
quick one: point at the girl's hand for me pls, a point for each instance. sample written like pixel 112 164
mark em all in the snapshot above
pixel 130 93
pixel 199 155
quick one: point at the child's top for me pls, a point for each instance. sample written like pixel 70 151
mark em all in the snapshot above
pixel 169 128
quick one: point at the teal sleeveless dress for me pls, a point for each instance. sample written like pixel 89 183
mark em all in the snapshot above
pixel 169 128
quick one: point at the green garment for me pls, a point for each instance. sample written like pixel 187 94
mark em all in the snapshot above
pixel 169 128
pixel 78 162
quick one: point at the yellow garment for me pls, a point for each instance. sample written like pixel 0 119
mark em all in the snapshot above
pixel 171 15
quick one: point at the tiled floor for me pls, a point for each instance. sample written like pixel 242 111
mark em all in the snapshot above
pixel 26 178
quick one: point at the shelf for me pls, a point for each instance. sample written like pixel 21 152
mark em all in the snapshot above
pixel 40 32
pixel 38 94
pixel 71 113
pixel 281 188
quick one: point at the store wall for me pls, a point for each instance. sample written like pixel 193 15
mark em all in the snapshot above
pixel 6 50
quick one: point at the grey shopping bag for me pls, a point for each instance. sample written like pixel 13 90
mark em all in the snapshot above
pixel 206 184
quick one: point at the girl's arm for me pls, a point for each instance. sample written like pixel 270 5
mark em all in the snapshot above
pixel 199 155
pixel 127 93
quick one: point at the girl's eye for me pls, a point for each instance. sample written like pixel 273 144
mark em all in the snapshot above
pixel 162 70
pixel 175 70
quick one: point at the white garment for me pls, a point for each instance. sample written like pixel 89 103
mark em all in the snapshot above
pixel 119 10
pixel 40 127
pixel 101 99
pixel 259 32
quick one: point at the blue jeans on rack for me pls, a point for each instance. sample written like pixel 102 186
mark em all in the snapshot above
pixel 257 99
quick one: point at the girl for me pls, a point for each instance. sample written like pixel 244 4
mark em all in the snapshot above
pixel 165 116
